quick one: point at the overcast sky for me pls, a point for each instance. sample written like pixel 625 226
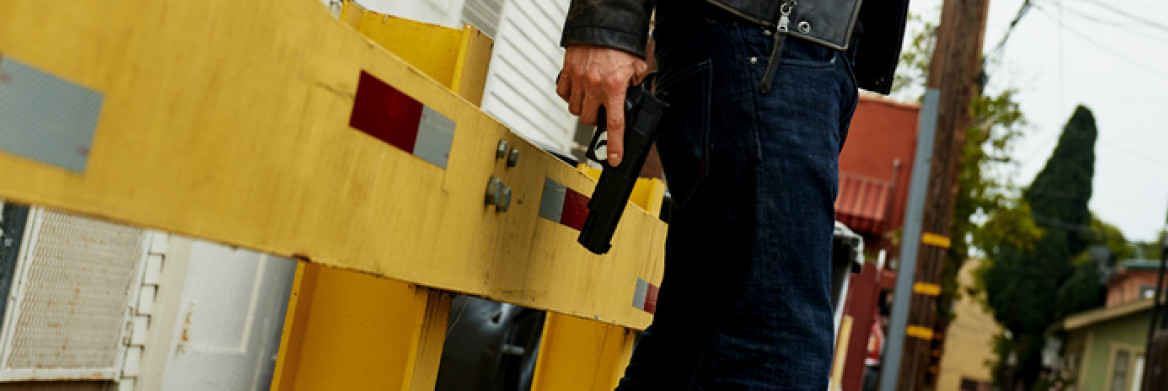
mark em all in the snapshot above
pixel 1116 64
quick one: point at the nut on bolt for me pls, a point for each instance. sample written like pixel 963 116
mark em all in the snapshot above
pixel 494 190
pixel 503 203
pixel 501 150
pixel 513 157
pixel 498 194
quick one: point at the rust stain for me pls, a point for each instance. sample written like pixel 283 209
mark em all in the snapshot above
pixel 186 331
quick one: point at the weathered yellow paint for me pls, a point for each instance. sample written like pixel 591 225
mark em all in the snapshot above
pixel 455 58
pixel 578 354
pixel 470 69
pixel 424 351
pixel 295 319
pixel 390 345
pixel 581 355
pixel 227 121
pixel 429 336
pixel 334 337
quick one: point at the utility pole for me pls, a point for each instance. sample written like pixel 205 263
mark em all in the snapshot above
pixel 954 68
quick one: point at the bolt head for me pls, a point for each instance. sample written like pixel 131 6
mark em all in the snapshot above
pixel 503 203
pixel 513 158
pixel 494 191
pixel 501 150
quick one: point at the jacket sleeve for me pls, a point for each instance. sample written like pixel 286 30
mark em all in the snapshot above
pixel 618 24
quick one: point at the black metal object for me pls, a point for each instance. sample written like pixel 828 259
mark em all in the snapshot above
pixel 490 346
pixel 12 227
pixel 642 112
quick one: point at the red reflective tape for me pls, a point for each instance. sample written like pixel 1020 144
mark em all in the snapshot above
pixel 651 299
pixel 575 209
pixel 385 113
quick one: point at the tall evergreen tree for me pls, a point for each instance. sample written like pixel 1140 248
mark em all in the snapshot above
pixel 1023 284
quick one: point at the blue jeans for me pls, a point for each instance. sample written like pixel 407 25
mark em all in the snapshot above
pixel 745 303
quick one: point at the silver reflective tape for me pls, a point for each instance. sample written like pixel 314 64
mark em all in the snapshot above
pixel 640 294
pixel 551 204
pixel 435 134
pixel 46 118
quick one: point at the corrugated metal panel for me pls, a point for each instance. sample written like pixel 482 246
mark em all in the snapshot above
pixel 520 89
pixel 483 14
pixel 75 281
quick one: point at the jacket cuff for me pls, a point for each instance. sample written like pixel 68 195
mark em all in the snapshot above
pixel 600 36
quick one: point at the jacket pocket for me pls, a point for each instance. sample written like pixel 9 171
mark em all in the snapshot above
pixel 685 128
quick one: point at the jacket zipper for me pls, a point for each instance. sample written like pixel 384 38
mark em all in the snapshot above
pixel 780 36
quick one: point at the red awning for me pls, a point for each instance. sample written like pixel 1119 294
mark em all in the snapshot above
pixel 862 203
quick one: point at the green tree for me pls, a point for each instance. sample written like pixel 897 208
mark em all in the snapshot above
pixel 1023 285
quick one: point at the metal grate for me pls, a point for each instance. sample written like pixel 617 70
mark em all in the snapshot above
pixel 74 294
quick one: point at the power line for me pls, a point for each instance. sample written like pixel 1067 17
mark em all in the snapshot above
pixel 1138 154
pixel 1111 24
pixel 1103 47
pixel 1131 16
pixel 1061 60
pixel 996 51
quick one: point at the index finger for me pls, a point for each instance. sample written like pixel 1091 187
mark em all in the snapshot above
pixel 614 110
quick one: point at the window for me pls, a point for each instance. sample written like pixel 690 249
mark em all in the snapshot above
pixel 1147 291
pixel 1127 368
pixel 1119 370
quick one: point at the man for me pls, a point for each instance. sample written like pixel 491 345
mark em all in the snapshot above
pixel 761 93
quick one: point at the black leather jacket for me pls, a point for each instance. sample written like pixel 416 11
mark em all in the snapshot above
pixel 874 41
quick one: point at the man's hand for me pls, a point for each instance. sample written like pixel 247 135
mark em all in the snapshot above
pixel 595 76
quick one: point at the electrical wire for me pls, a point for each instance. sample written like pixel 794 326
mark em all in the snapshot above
pixel 1129 15
pixel 997 50
pixel 1097 44
pixel 1061 59
pixel 1133 152
pixel 1112 24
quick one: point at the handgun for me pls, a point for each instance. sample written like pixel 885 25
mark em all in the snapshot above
pixel 642 112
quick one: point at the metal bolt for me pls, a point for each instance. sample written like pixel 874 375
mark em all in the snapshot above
pixel 804 27
pixel 494 190
pixel 504 201
pixel 754 60
pixel 513 157
pixel 498 194
pixel 501 150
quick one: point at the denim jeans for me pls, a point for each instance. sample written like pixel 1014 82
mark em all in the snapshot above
pixel 745 303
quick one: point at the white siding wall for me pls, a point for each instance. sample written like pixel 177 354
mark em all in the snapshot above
pixel 484 14
pixel 520 88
